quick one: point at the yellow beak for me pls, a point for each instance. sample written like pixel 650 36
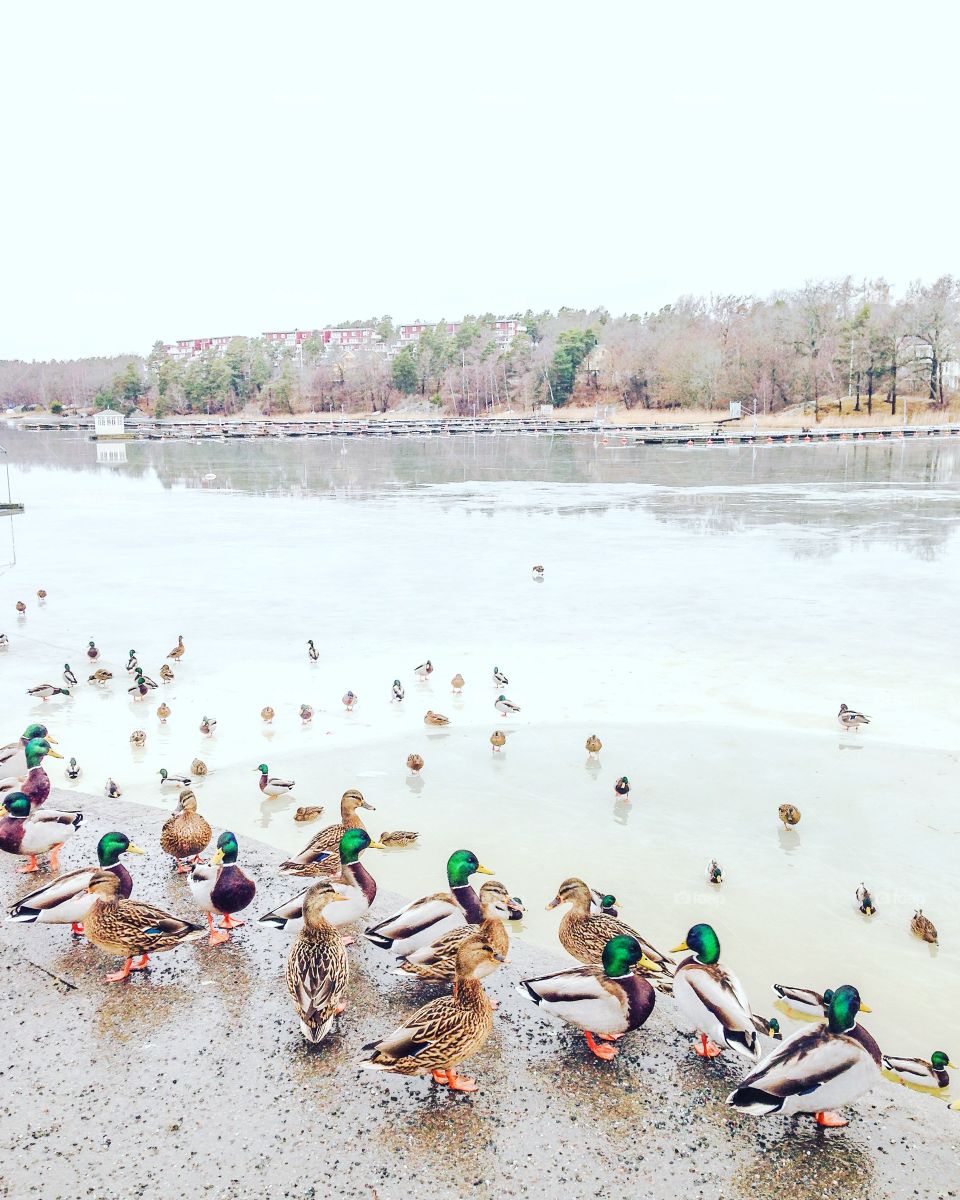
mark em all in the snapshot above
pixel 132 849
pixel 52 740
pixel 217 859
pixel 54 754
pixel 953 1066
pixel 677 949
pixel 865 1007
pixel 485 871
pixel 648 964
pixel 376 846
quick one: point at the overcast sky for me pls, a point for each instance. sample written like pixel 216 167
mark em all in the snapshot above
pixel 187 169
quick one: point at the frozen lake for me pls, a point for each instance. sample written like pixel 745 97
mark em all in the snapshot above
pixel 704 611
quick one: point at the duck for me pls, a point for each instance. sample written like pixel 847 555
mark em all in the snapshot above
pixel 4 641
pixel 65 900
pixel 711 999
pixel 44 691
pixel 815 1070
pixel 398 837
pixel 457 683
pixel 163 711
pixel 100 676
pixel 199 767
pixel 208 725
pixel 606 1000
pixel 306 713
pixel 593 745
pixel 273 785
pixel 437 962
pixel 865 901
pixel 422 922
pixel 31 834
pixel 415 763
pixel 355 885
pixel 538 572
pixel 435 719
pixel 112 790
pixel 923 928
pixel 179 650
pixel 92 652
pixel 68 676
pixel 318 970
pixel 603 902
pixel 918 1072
pixel 41 595
pixel 185 833
pixel 424 671
pixel 131 928
pixel 789 814
pixel 312 651
pixel 622 787
pixel 583 933
pixel 36 786
pixel 73 769
pixel 166 674
pixel 321 855
pixel 138 738
pixel 768 1026
pixel 849 718
pixel 714 873
pixel 308 812
pixel 442 1034
pixel 132 661
pixel 397 693
pixel 349 700
pixel 177 781
pixel 504 706
pixel 144 679
pixel 267 714
pixel 21 607
pixel 19 758
pixel 803 1000
pixel 31 732
pixel 499 679
pixel 138 689
pixel 498 739
pixel 222 888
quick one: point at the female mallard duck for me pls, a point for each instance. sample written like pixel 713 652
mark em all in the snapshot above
pixel 132 661
pixel 605 1000
pixel 163 711
pixel 850 719
pixel 423 921
pixel 208 725
pixel 865 901
pixel 179 650
pixel 397 693
pixel 308 812
pixel 594 745
pixel 267 714
pixel 222 888
pixel 424 671
pixel 185 834
pixel 131 928
pixel 100 676
pixel 498 739
pixel 435 719
pixel 44 691
pixel 68 676
pixel 66 901
pixel 138 739
pixel 21 607
pixel 92 652
pixel 815 1070
pixel 712 998
pixel 714 873
pixel 306 713
pixel 356 885
pixel 73 770
pixel 437 962
pixel 789 815
pixel 41 595
pixel 177 781
pixel 321 855
pixel 166 674
pixel 29 834
pixel 199 767
pixel 17 760
pixel 584 933
pixel 349 700
pixel 923 928
pixel 312 651
pixel 318 970
pixel 398 837
pixel 504 706
pixel 448 1030
pixel 538 573
pixel 273 785
pixel 917 1072
pixel 457 683
pixel 499 679
pixel 111 790
pixel 414 763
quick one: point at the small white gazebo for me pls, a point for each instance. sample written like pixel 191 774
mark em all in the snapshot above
pixel 108 423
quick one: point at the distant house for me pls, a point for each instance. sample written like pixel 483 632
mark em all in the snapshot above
pixel 504 330
pixel 351 338
pixel 188 348
pixel 108 424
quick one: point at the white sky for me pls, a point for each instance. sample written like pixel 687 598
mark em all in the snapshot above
pixel 187 169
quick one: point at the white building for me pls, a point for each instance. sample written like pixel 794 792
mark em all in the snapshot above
pixel 107 424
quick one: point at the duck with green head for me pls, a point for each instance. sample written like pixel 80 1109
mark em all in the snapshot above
pixel 273 785
pixel 918 1072
pixel 13 758
pixel 222 888
pixel 68 676
pixel 66 901
pixel 31 834
pixel 132 661
pixel 44 691
pixel 712 999
pixel 423 921
pixel 803 1000
pixel 815 1070
pixel 23 759
pixel 92 652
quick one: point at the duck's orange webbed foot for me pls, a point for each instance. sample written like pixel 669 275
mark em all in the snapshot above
pixel 830 1120
pixel 217 937
pixel 609 1037
pixel 29 866
pixel 183 868
pixel 459 1083
pixel 229 923
pixel 439 1076
pixel 140 964
pixel 705 1048
pixel 601 1051
pixel 76 928
pixel 119 976
pixel 55 856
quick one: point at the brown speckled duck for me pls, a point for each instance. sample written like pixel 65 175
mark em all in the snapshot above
pixel 321 855
pixel 185 834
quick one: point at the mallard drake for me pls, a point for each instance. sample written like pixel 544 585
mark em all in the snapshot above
pixel 68 676
pixel 504 706
pixel 273 785
pixel 73 769
pixel 185 834
pixel 18 759
pixel 177 781
pixel 163 711
pixel 815 1070
pixel 457 683
pixel 41 595
pixel 850 719
pixel 65 900
pixel 583 933
pixel 131 928
pixel 499 679
pixel 437 962
pixel 605 1000
pixel 448 1030
pixel 179 650
pixel 422 922
pixel 321 855
pixel 424 671
pixel 138 738
pixel 30 834
pixel 714 873
pixel 318 970
pixel 306 713
pixel 199 767
pixel 789 814
pixel 865 901
pixel 92 652
pixel 355 885
pixel 312 651
pixel 435 719
pixel 36 786
pixel 44 691
pixel 603 902
pixel 222 888
pixel 414 763
pixel 111 790
pixel 132 661
pixel 538 572
pixel 100 676
pixel 768 1026
pixel 803 1000
pixel 267 714
pixel 712 998
pixel 399 837
pixel 4 641
pixel 208 725
pixel 31 732
pixel 918 1072
pixel 593 745
pixel 622 787
pixel 349 700
pixel 21 607
pixel 923 928
pixel 307 812
pixel 166 674
pixel 397 693
pixel 138 689
pixel 498 739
